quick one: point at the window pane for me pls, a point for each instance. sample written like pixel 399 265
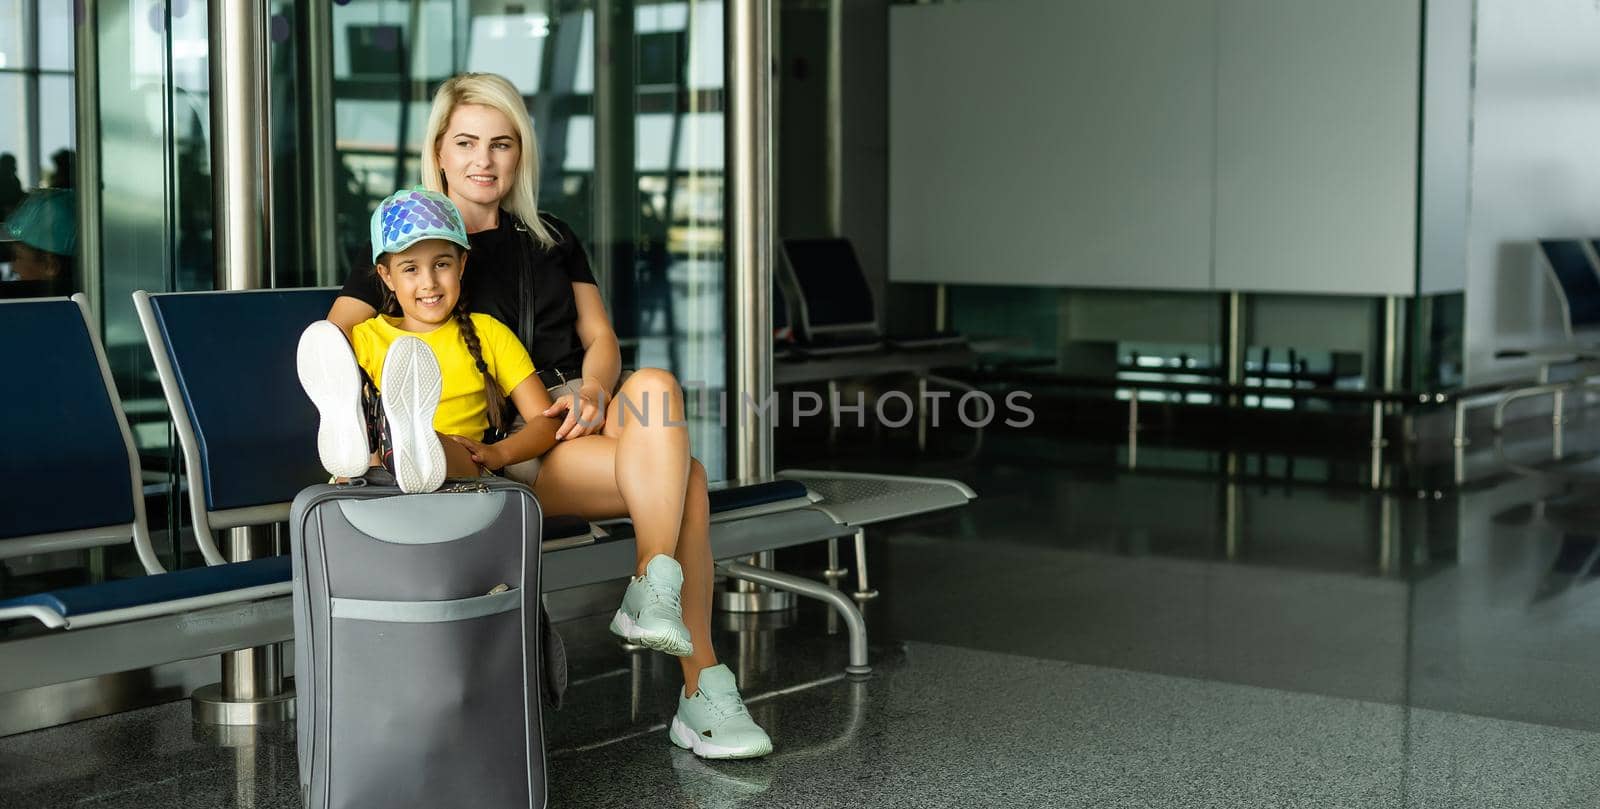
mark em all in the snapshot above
pixel 579 157
pixel 14 127
pixel 191 69
pixel 433 48
pixel 705 48
pixel 55 35
pixel 511 45
pixel 11 55
pixel 57 136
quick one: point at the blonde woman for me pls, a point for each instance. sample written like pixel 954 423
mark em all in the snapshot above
pixel 529 271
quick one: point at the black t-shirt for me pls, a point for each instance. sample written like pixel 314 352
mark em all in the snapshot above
pixel 501 260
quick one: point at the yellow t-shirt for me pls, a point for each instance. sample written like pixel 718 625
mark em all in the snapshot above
pixel 462 407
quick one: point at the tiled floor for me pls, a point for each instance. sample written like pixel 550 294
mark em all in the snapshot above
pixel 1094 639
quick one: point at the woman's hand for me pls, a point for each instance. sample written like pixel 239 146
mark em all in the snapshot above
pixel 486 455
pixel 584 413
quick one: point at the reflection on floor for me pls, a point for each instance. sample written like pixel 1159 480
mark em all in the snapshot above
pixel 1075 638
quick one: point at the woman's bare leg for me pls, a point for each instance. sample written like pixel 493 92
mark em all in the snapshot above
pixel 646 419
pixel 576 478
pixel 694 556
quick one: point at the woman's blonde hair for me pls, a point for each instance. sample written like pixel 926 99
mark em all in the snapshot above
pixel 494 91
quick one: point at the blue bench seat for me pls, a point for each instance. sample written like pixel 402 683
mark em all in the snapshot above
pixel 123 599
pixel 756 494
pixel 72 602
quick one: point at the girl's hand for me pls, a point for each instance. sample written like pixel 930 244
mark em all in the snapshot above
pixel 485 455
pixel 584 414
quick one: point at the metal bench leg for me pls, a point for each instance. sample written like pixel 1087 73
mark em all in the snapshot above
pixel 834 573
pixel 1133 432
pixel 863 591
pixel 1376 444
pixel 636 682
pixel 1557 416
pixel 806 587
pixel 252 690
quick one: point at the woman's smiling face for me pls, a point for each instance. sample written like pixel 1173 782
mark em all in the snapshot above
pixel 479 154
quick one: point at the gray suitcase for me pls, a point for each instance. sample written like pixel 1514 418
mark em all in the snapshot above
pixel 418 644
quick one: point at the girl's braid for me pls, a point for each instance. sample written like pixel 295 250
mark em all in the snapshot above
pixel 491 389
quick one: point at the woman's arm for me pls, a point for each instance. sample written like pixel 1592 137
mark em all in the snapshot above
pixel 602 358
pixel 602 364
pixel 534 439
pixel 348 311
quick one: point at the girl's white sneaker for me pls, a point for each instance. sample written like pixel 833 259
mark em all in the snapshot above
pixel 410 392
pixel 329 374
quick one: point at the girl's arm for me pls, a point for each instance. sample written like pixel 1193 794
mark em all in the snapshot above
pixel 534 439
pixel 347 312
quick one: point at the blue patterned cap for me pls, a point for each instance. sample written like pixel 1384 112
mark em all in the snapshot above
pixel 409 216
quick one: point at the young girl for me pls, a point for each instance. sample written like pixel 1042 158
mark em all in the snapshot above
pixel 442 375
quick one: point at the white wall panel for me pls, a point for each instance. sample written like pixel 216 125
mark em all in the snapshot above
pixel 1052 143
pixel 1317 146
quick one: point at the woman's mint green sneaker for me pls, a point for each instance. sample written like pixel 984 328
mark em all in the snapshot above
pixel 714 722
pixel 651 615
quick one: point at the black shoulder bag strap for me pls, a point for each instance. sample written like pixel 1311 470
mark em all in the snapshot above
pixel 525 283
pixel 525 318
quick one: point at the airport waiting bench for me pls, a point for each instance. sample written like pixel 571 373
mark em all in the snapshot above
pixel 248 441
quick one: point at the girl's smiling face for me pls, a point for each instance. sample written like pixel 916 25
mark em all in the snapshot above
pixel 426 280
